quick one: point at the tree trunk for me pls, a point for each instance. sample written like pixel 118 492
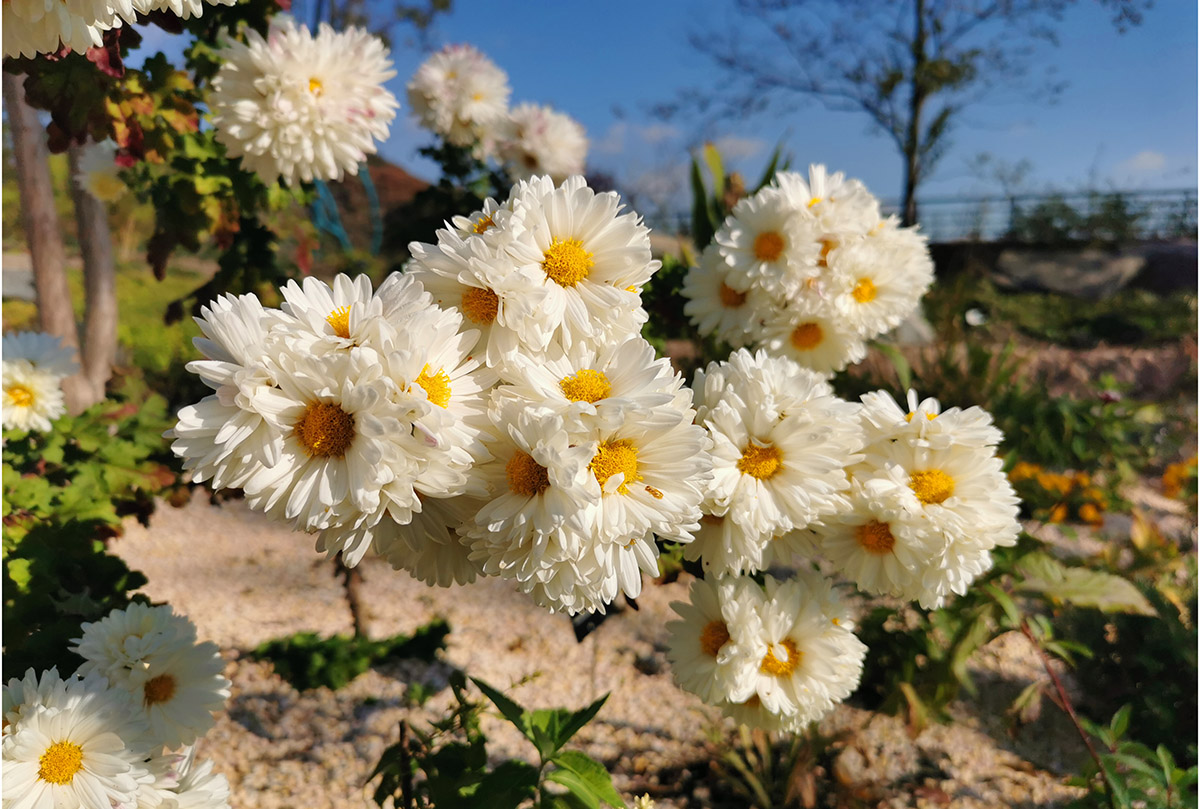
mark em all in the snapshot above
pixel 911 174
pixel 912 137
pixel 99 349
pixel 42 231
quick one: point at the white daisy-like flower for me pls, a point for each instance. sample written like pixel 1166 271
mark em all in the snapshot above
pixel 430 547
pixel 44 352
pixel 72 743
pixel 716 647
pixel 200 788
pixel 594 259
pixel 882 282
pixel 185 9
pixel 958 495
pixel 723 547
pixel 121 640
pixel 225 436
pixel 98 172
pixel 459 94
pixel 815 335
pixel 33 27
pixel 179 686
pixel 813 659
pixel 496 295
pixel 768 243
pixel 33 398
pixel 536 140
pixel 299 107
pixel 589 386
pixel 715 307
pixel 925 423
pixel 842 207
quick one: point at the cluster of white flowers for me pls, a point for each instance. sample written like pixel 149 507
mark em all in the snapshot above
pixel 34 366
pixel 808 269
pixel 119 731
pixel 31 27
pixel 492 410
pixel 299 107
pixel 462 96
pixel 902 503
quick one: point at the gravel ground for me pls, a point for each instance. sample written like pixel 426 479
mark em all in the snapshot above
pixel 244 580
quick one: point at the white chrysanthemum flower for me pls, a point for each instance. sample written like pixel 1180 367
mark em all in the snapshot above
pixel 842 207
pixel 299 107
pixel 536 140
pixel 500 298
pixel 200 788
pixel 723 547
pixel 185 9
pixel 957 494
pixel 45 352
pixel 179 686
pixel 882 282
pixel 716 307
pixel 594 259
pixel 781 443
pixel 33 27
pixel 592 387
pixel 459 94
pixel 925 423
pixel 813 659
pixel 121 640
pixel 225 437
pixel 98 172
pixel 430 547
pixel 815 335
pixel 766 242
pixel 716 647
pixel 32 397
pixel 72 743
pixel 343 439
pixel 495 223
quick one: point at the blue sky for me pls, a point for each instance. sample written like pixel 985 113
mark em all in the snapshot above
pixel 1127 119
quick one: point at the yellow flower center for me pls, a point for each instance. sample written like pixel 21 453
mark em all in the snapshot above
pixel 325 430
pixel 714 635
pixel 930 416
pixel 875 537
pixel 730 297
pixel 525 475
pixel 315 87
pixel 20 395
pixel 586 386
pixel 159 689
pixel 760 462
pixel 60 762
pixel 768 246
pixel 781 659
pixel 339 321
pixel 616 457
pixel 814 201
pixel 807 336
pixel 566 262
pixel 105 186
pixel 931 485
pixel 437 386
pixel 827 244
pixel 480 305
pixel 864 291
pixel 483 224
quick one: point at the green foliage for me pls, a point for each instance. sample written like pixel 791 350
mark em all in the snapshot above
pixel 308 661
pixel 453 760
pixel 65 493
pixel 768 770
pixel 1107 219
pixel 709 208
pixel 1130 774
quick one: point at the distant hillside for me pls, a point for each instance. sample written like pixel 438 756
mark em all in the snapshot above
pixel 393 185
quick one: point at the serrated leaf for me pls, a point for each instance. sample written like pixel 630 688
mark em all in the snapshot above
pixel 1079 586
pixel 593 773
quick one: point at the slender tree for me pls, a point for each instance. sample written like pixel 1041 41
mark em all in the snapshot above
pixel 911 66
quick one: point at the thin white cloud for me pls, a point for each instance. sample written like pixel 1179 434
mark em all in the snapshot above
pixel 623 137
pixel 1143 164
pixel 734 147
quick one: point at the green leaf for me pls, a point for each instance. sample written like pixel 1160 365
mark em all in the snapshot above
pixel 773 166
pixel 19 573
pixel 703 227
pixel 1120 721
pixel 511 783
pixel 544 727
pixel 1079 586
pixel 577 786
pixel 899 363
pixel 591 772
pixel 712 157
pixel 510 710
pixel 577 720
